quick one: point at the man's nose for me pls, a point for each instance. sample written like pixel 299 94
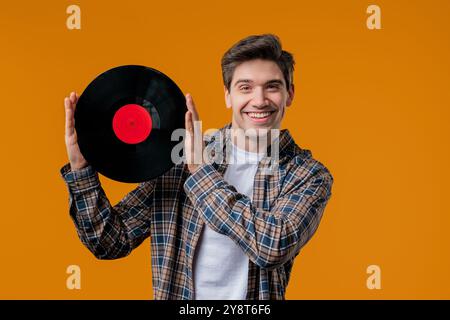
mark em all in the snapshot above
pixel 259 97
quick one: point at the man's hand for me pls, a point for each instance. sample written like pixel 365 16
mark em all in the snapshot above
pixel 76 159
pixel 194 138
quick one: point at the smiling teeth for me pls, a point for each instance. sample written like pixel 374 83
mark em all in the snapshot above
pixel 258 114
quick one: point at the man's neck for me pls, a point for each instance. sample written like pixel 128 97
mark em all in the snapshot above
pixel 251 140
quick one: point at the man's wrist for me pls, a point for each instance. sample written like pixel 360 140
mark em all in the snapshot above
pixel 81 180
pixel 194 168
pixel 77 167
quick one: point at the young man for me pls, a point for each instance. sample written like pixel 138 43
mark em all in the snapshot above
pixel 218 230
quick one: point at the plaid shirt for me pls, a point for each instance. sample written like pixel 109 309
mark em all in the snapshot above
pixel 172 209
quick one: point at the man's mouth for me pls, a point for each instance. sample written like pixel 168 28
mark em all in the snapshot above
pixel 259 116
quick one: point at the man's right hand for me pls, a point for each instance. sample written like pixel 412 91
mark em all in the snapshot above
pixel 76 159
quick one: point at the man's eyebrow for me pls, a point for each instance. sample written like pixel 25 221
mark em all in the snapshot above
pixel 275 81
pixel 267 82
pixel 242 81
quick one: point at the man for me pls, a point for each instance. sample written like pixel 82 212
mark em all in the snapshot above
pixel 218 230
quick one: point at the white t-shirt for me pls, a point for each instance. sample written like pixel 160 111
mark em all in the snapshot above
pixel 220 265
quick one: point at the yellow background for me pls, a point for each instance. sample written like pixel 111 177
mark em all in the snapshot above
pixel 372 105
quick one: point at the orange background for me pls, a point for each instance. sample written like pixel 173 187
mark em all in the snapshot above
pixel 372 105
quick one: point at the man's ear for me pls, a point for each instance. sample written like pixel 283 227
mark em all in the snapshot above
pixel 291 96
pixel 227 97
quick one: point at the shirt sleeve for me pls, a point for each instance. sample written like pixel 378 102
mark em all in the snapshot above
pixel 269 238
pixel 109 232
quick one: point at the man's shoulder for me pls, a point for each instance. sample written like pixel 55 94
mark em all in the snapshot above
pixel 301 165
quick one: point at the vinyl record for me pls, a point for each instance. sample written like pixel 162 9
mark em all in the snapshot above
pixel 124 121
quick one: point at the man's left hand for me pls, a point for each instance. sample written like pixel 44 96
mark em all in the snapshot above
pixel 194 138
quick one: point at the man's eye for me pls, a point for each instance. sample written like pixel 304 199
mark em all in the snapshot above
pixel 273 86
pixel 245 88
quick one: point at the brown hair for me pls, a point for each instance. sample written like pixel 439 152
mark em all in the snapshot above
pixel 266 47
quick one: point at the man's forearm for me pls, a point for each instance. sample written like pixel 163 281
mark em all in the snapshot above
pixel 103 229
pixel 268 237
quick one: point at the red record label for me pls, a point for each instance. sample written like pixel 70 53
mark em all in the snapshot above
pixel 132 124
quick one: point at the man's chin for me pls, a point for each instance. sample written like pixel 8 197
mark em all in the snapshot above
pixel 257 130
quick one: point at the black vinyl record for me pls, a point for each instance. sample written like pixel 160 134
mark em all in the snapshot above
pixel 124 121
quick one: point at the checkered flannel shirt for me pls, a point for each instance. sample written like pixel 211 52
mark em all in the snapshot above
pixel 172 209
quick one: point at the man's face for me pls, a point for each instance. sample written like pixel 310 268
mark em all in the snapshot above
pixel 258 95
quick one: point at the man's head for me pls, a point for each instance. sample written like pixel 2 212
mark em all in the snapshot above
pixel 257 76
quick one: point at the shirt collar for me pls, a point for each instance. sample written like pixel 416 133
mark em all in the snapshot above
pixel 219 139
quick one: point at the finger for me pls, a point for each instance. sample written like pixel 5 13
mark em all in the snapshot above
pixel 188 102
pixel 188 142
pixel 191 106
pixel 186 120
pixel 69 117
pixel 189 124
pixel 73 97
